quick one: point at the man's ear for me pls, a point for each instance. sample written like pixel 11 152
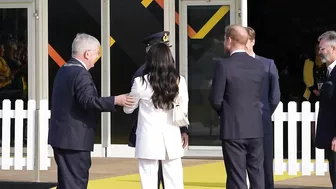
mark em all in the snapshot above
pixel 86 54
pixel 230 40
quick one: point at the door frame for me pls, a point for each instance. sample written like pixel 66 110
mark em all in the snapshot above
pixel 29 5
pixel 199 151
pixel 37 51
pixel 123 150
pixel 183 35
pixel 37 47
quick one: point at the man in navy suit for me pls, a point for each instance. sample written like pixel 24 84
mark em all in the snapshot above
pixel 74 113
pixel 326 122
pixel 160 37
pixel 235 96
pixel 270 99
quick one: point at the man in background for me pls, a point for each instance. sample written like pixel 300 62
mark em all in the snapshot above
pixel 160 37
pixel 270 99
pixel 326 122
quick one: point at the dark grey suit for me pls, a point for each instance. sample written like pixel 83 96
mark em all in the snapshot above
pixel 235 95
pixel 270 99
pixel 326 122
pixel 74 113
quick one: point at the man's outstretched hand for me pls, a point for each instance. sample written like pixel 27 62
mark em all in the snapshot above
pixel 124 100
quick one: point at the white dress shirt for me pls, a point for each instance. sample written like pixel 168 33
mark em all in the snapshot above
pixel 331 67
pixel 81 62
pixel 157 137
pixel 239 50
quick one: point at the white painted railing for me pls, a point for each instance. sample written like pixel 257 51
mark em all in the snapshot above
pixel 33 156
pixel 292 165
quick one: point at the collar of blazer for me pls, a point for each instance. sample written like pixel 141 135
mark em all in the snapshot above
pixel 74 62
pixel 333 71
pixel 238 52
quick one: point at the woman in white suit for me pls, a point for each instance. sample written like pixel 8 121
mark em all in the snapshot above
pixel 157 137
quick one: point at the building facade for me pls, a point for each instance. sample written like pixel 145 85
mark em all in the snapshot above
pixel 37 34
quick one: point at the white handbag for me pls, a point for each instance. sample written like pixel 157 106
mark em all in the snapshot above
pixel 180 118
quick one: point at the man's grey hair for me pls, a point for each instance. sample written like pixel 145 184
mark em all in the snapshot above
pixel 329 37
pixel 83 42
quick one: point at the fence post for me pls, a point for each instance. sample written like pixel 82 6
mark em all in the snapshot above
pixel 292 138
pixel 44 116
pixel 31 147
pixel 6 135
pixel 306 119
pixel 319 153
pixel 18 135
pixel 278 118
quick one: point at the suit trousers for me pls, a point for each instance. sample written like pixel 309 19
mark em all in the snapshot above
pixel 332 166
pixel 160 176
pixel 268 161
pixel 72 168
pixel 244 155
pixel 172 173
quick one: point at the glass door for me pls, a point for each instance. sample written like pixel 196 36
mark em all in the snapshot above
pixel 17 54
pixel 201 34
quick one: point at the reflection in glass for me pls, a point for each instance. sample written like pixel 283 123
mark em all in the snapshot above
pixel 202 56
pixel 13 58
pixel 126 57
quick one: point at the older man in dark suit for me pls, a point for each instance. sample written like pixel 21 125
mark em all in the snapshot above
pixel 326 122
pixel 74 113
pixel 235 95
pixel 160 37
pixel 270 99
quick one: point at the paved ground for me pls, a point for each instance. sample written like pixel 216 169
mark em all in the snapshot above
pixel 113 167
pixel 101 168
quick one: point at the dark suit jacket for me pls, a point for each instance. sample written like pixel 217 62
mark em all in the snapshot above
pixel 326 122
pixel 270 97
pixel 235 95
pixel 132 137
pixel 75 108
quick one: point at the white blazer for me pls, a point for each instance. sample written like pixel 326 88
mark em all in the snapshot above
pixel 157 137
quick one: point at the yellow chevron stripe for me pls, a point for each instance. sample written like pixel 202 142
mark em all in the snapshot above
pixel 112 41
pixel 222 11
pixel 146 3
pixel 212 22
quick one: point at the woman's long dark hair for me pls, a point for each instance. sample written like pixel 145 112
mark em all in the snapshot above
pixel 162 75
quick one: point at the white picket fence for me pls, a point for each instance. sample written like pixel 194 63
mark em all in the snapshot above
pixel 292 165
pixel 35 155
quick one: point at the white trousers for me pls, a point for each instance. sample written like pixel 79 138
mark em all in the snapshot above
pixel 172 173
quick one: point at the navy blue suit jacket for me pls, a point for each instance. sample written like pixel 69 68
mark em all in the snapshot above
pixel 75 108
pixel 270 97
pixel 326 122
pixel 235 95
